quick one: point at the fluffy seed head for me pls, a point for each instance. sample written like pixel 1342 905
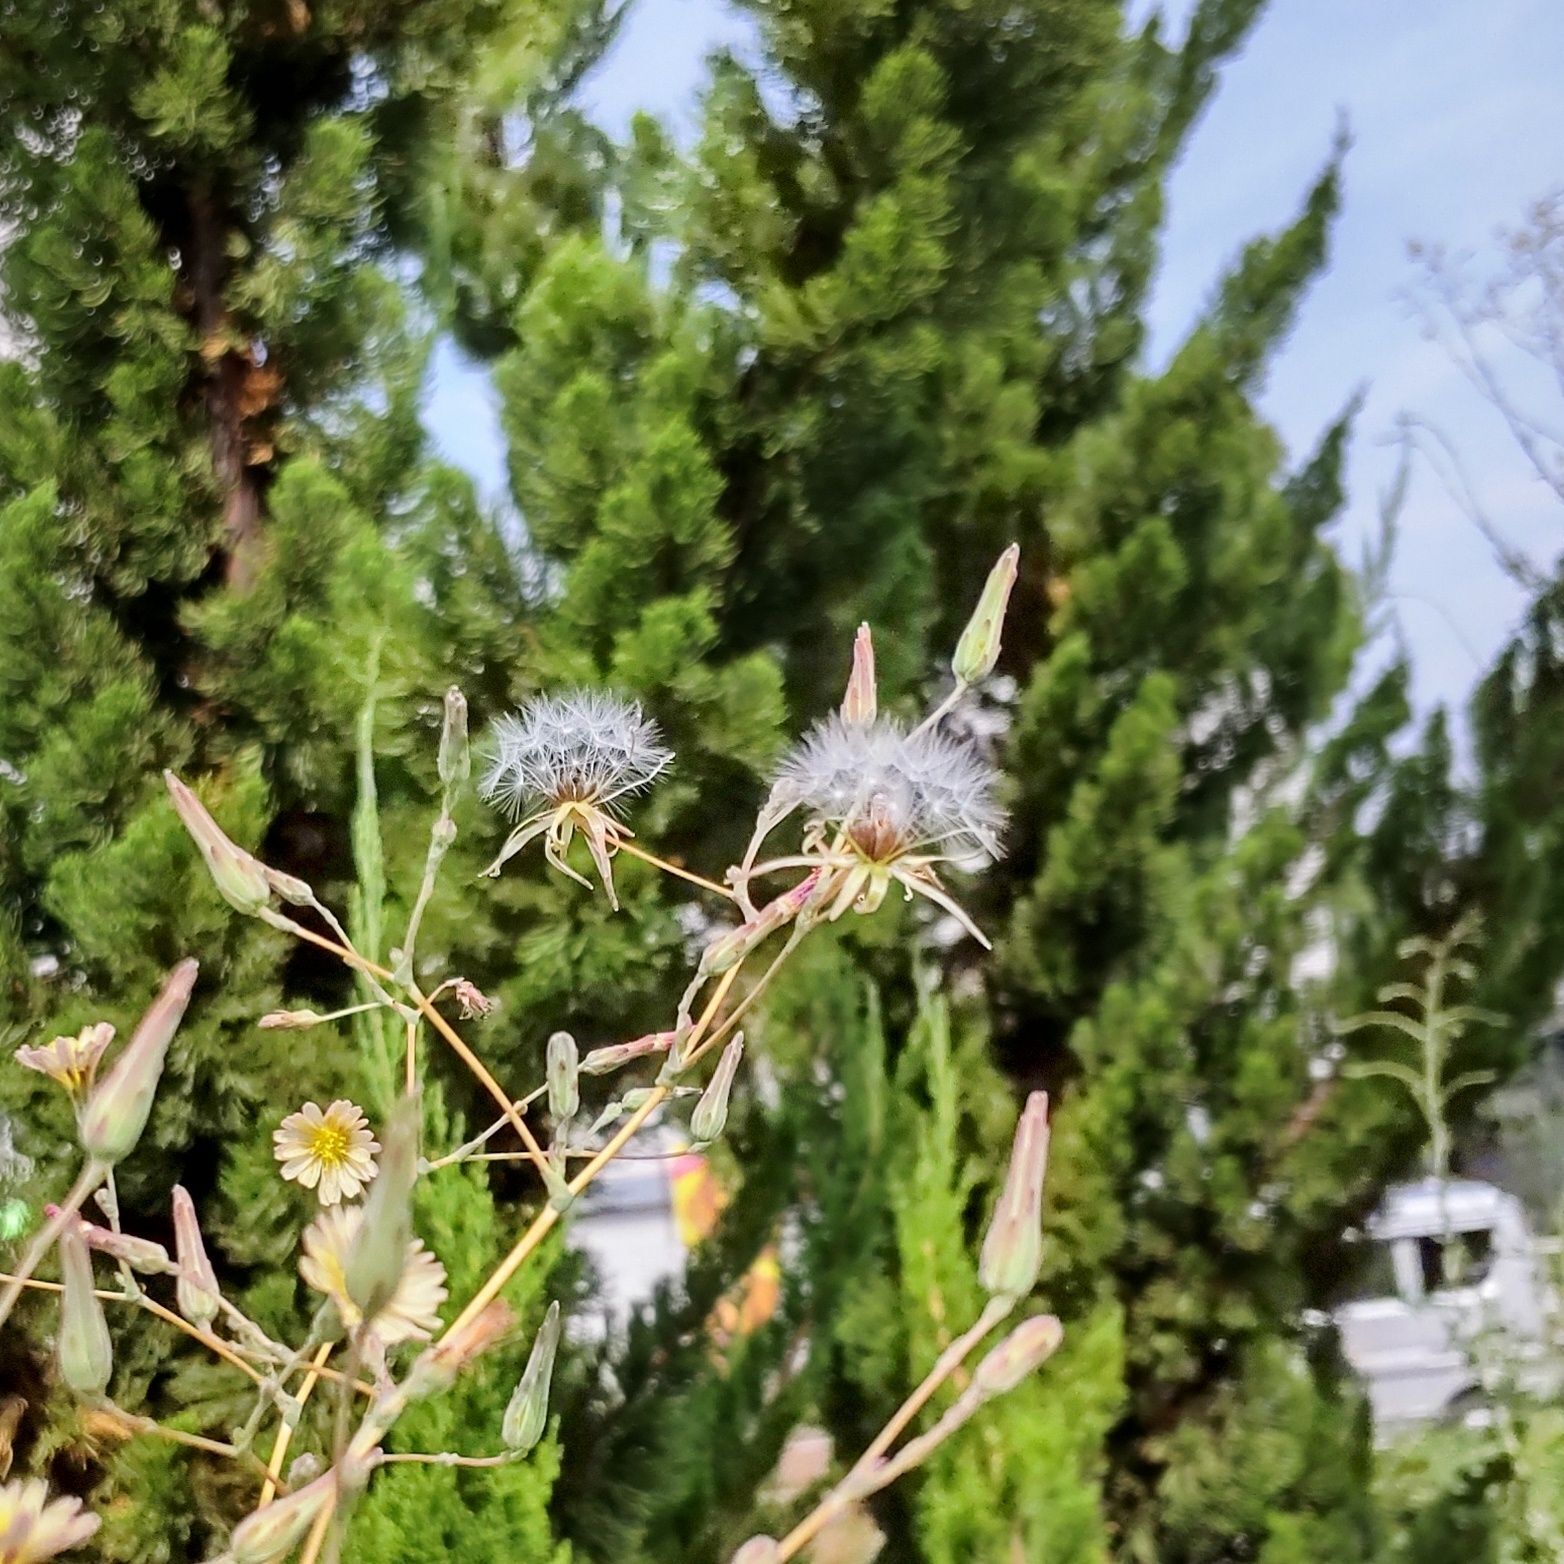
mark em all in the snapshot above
pixel 586 746
pixel 895 791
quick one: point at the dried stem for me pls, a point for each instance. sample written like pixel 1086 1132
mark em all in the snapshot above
pixel 625 845
pixel 285 1428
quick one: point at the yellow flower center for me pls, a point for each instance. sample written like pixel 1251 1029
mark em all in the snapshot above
pixel 330 1144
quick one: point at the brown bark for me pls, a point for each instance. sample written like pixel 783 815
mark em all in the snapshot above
pixel 237 391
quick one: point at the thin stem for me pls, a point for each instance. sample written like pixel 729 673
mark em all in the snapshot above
pixel 625 845
pixel 945 1365
pixel 285 1428
pixel 91 1175
pixel 943 710
pixel 481 1071
pixel 318 1532
pixel 543 1223
pixel 347 954
pixel 463 1152
pixel 446 1458
pixel 410 1081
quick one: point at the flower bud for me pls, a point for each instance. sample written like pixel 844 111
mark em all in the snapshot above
pixel 978 649
pixel 196 1289
pixel 378 1254
pixel 564 1086
pixel 239 877
pixel 288 1020
pixel 1026 1348
pixel 455 762
pixel 710 1117
pixel 603 1060
pixel 436 1369
pixel 1013 1247
pixel 293 890
pixel 729 949
pixel 526 1414
pixel 86 1357
pixel 116 1112
pixel 860 703
pixel 271 1533
pixel 758 1550
pixel 140 1254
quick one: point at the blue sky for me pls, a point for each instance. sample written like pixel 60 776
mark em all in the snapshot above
pixel 1457 122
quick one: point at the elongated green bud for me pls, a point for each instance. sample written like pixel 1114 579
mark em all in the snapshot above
pixel 563 1073
pixel 239 877
pixel 116 1111
pixel 860 703
pixel 196 1290
pixel 378 1254
pixel 978 649
pixel 710 1117
pixel 271 1534
pixel 526 1414
pixel 1013 1247
pixel 1024 1350
pixel 758 1550
pixel 86 1356
pixel 455 762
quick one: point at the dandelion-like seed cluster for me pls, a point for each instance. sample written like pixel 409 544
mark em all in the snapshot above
pixel 585 746
pixel 895 791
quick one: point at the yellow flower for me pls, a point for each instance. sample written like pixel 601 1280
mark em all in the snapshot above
pixel 413 1314
pixel 33 1528
pixel 72 1061
pixel 328 1150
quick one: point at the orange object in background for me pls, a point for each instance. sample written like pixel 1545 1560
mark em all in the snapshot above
pixel 698 1201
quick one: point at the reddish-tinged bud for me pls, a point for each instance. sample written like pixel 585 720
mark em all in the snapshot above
pixel 1025 1349
pixel 116 1112
pixel 140 1254
pixel 526 1414
pixel 710 1117
pixel 288 1020
pixel 197 1287
pixel 758 1550
pixel 1013 1248
pixel 272 1533
pixel 240 878
pixel 602 1060
pixel 978 649
pixel 860 703
pixel 85 1354
pixel 729 949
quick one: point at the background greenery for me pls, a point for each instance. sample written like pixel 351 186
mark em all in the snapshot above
pixel 881 317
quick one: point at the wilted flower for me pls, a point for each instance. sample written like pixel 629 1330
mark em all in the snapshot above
pixel 888 804
pixel 860 703
pixel 71 1061
pixel 329 1150
pixel 413 1311
pixel 270 1533
pixel 1022 1352
pixel 1013 1246
pixel 34 1527
pixel 978 649
pixel 140 1254
pixel 289 1020
pixel 474 1003
pixel 562 764
pixel 710 1117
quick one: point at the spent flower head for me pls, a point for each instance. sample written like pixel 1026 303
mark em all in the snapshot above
pixel 330 1150
pixel 887 804
pixel 70 1061
pixel 562 764
pixel 413 1311
pixel 34 1527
